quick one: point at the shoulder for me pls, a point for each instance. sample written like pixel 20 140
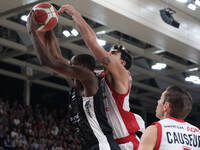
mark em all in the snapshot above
pixel 149 138
pixel 151 130
pixel 150 134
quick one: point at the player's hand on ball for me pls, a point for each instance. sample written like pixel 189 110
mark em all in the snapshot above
pixel 31 24
pixel 69 9
pixel 43 17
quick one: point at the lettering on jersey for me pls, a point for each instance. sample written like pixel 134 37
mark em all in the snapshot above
pixel 173 126
pixel 87 107
pixel 74 112
pixel 191 129
pixel 183 138
pixel 75 119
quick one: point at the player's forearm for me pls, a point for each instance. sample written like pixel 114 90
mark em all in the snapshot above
pixel 89 37
pixel 40 48
pixel 85 30
pixel 53 45
pixel 45 48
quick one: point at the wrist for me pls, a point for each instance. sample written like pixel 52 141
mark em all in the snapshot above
pixel 76 14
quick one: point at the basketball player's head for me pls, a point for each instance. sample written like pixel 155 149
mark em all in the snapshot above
pixel 120 50
pixel 174 102
pixel 86 61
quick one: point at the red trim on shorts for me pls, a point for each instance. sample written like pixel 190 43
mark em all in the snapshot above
pixel 159 135
pixel 130 138
pixel 178 120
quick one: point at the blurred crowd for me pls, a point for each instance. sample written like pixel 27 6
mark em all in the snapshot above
pixel 35 128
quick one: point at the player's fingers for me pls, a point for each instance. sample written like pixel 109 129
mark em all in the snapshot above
pixel 65 8
pixel 60 10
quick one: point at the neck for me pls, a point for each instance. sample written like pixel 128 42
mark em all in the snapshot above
pixel 165 115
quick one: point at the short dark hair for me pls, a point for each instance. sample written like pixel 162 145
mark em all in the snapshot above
pixel 180 102
pixel 124 54
pixel 85 60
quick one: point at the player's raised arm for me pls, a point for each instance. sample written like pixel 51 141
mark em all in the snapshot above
pixel 111 62
pixel 86 32
pixel 47 48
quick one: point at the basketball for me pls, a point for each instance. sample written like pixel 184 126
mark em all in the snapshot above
pixel 46 15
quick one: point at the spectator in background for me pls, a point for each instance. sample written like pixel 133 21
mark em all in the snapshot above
pixel 14 133
pixel 2 134
pixel 1 106
pixel 38 137
pixel 55 130
pixel 16 121
pixel 23 141
pixel 8 142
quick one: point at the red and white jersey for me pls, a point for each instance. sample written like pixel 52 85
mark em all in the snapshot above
pixel 174 134
pixel 123 122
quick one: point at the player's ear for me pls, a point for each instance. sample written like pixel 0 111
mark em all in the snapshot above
pixel 123 62
pixel 167 107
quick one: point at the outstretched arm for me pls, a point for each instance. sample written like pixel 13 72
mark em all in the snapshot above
pixel 118 71
pixel 87 33
pixel 47 48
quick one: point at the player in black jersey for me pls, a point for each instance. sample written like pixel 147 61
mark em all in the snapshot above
pixel 86 107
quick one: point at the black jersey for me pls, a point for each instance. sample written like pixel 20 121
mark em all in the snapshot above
pixel 88 117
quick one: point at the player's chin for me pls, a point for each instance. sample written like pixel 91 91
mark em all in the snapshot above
pixel 157 114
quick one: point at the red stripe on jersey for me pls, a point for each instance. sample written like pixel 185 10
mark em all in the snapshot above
pixel 159 135
pixel 127 117
pixel 130 138
pixel 178 120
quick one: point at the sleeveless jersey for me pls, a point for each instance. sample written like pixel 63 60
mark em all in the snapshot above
pixel 87 115
pixel 123 122
pixel 174 134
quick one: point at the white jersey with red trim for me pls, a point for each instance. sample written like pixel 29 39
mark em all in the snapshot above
pixel 174 134
pixel 122 121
